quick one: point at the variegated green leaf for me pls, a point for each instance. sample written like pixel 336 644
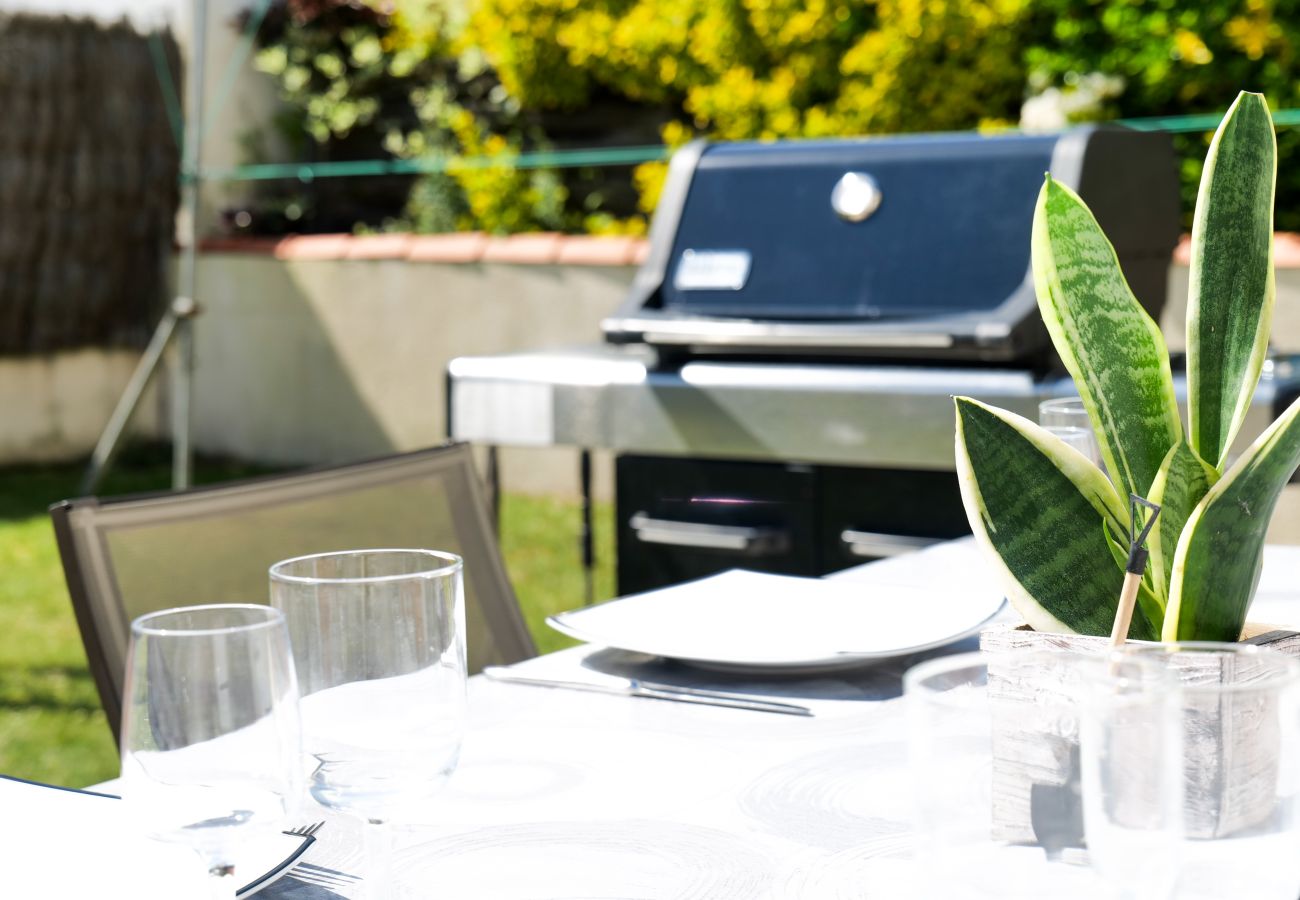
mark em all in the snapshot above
pixel 1230 302
pixel 1183 480
pixel 1107 341
pixel 1038 506
pixel 1217 562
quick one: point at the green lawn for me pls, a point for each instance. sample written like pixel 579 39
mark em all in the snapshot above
pixel 51 726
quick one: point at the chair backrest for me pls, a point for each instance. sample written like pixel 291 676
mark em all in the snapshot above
pixel 128 556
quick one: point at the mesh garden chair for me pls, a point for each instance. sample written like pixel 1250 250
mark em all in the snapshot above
pixel 125 557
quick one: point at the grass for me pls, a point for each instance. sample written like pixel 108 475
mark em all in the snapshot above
pixel 51 725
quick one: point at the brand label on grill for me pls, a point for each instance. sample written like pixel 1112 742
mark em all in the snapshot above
pixel 712 270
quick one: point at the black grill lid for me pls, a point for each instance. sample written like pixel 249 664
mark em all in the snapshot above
pixel 907 246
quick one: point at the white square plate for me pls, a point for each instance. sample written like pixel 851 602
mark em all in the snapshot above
pixel 751 620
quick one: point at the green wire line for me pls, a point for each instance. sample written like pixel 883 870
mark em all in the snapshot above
pixel 540 159
pixel 1283 118
pixel 235 63
pixel 168 87
pixel 609 156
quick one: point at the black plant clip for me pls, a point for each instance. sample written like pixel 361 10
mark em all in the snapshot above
pixel 1137 564
pixel 1137 554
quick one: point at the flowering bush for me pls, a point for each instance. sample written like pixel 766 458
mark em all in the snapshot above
pixel 400 77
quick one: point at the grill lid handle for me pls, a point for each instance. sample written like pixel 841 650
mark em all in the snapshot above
pixel 750 540
pixel 875 544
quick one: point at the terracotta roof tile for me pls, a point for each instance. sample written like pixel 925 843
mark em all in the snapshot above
pixel 1286 250
pixel 464 247
pixel 379 246
pixel 239 244
pixel 597 251
pixel 524 249
pixel 314 246
pixel 530 249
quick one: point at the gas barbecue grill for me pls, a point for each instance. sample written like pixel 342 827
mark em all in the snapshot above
pixel 778 383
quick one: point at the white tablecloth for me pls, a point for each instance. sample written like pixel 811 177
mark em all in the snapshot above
pixel 565 794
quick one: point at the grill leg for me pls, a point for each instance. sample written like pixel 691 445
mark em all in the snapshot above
pixel 586 539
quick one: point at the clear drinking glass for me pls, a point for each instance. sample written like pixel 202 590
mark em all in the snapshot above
pixel 1066 418
pixel 379 641
pixel 1131 753
pixel 210 730
pixel 1238 720
pixel 995 764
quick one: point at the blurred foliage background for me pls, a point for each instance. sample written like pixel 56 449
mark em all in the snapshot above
pixel 363 79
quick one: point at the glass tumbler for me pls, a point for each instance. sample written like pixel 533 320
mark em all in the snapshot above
pixel 1066 418
pixel 1238 720
pixel 994 756
pixel 379 640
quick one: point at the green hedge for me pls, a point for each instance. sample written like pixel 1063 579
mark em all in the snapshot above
pixel 496 76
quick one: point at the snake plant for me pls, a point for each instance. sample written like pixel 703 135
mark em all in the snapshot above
pixel 1051 521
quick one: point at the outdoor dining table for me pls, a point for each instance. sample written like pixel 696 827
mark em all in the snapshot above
pixel 569 794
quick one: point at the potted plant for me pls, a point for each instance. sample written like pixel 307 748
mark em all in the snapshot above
pixel 1050 521
pixel 1055 526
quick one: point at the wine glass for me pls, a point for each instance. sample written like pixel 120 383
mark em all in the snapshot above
pixel 210 730
pixel 379 640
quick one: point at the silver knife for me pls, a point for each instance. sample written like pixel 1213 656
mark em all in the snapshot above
pixel 635 687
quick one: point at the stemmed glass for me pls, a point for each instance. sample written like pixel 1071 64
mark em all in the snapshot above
pixel 379 641
pixel 210 730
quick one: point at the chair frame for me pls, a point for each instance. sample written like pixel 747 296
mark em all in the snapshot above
pixel 93 619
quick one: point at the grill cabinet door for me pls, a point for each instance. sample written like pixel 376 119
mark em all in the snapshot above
pixel 873 513
pixel 680 519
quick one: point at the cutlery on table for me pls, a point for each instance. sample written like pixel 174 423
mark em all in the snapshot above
pixel 320 876
pixel 635 687
pixel 317 875
pixel 305 830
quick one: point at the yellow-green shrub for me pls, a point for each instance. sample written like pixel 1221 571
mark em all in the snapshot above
pixel 763 68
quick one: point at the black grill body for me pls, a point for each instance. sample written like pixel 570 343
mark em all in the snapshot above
pixel 757 250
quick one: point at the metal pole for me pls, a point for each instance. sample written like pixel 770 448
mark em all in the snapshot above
pixel 106 449
pixel 183 361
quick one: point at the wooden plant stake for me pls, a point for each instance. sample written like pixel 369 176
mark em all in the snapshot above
pixel 1137 565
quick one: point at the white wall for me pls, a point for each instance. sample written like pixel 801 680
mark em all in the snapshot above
pixel 54 407
pixel 328 361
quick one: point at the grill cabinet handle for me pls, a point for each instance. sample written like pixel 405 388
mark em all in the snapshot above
pixel 750 540
pixel 875 544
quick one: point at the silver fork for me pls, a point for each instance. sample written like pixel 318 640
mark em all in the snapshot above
pixel 309 873
pixel 306 830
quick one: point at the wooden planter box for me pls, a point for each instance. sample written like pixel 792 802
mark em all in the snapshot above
pixel 1034 745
